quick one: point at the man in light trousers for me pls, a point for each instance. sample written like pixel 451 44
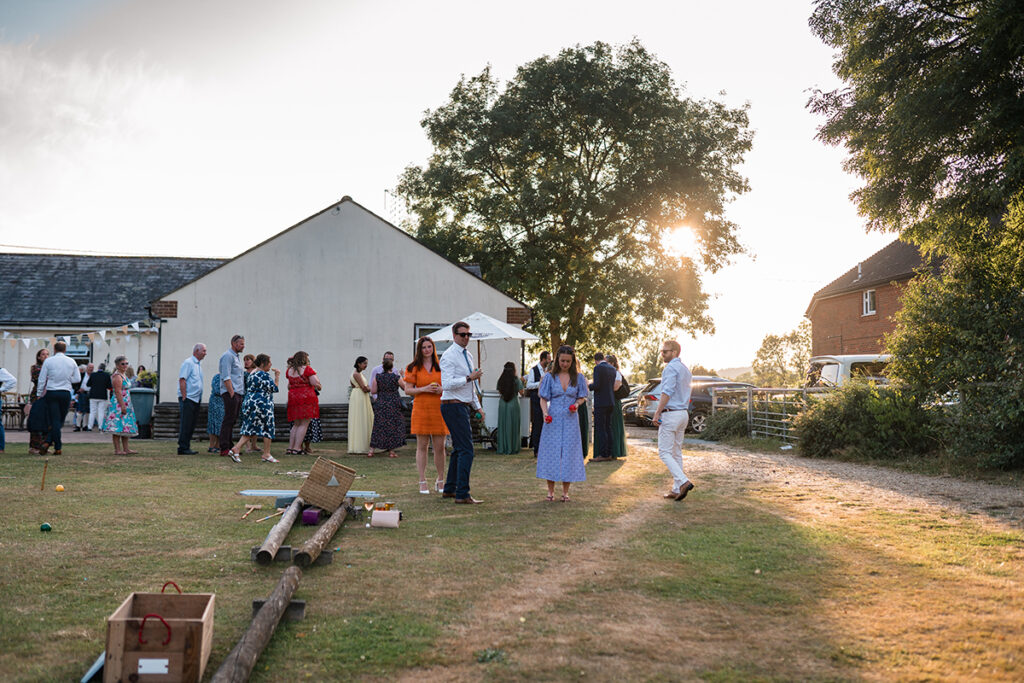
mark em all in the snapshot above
pixel 671 417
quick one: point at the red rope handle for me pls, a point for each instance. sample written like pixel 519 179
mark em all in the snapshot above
pixel 170 583
pixel 168 626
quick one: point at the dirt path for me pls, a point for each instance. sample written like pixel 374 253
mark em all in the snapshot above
pixel 810 488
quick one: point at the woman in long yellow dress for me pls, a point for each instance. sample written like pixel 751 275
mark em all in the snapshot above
pixel 360 410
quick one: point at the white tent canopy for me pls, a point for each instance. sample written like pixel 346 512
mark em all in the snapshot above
pixel 483 327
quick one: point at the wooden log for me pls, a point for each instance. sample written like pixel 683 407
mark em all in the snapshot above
pixel 238 665
pixel 312 548
pixel 277 535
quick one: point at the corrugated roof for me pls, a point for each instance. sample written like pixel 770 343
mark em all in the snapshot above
pixel 66 289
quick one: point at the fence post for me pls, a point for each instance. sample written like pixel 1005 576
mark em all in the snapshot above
pixel 750 410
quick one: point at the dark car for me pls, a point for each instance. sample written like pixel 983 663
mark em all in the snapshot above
pixel 700 399
pixel 629 406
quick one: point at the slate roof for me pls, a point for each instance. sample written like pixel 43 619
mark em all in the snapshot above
pixel 896 261
pixel 70 290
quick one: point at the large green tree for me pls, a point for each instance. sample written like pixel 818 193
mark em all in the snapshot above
pixel 561 183
pixel 931 113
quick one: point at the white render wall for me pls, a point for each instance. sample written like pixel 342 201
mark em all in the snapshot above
pixel 343 283
pixel 140 349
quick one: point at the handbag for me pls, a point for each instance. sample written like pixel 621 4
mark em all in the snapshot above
pixel 623 390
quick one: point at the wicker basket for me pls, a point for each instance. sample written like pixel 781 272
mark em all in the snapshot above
pixel 327 484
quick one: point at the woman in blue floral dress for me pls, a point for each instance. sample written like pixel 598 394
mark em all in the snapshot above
pixel 120 421
pixel 258 409
pixel 560 452
pixel 214 414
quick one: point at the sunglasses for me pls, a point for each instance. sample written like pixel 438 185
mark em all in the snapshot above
pixel 463 334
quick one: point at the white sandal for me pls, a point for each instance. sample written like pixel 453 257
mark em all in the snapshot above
pixel 234 456
pixel 423 487
pixel 439 485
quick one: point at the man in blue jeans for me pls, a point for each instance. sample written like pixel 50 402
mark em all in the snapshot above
pixel 55 379
pixel 458 399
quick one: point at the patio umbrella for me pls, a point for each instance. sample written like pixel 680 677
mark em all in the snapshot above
pixel 483 327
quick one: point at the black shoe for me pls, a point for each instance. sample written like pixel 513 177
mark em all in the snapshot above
pixel 187 452
pixel 77 429
pixel 86 429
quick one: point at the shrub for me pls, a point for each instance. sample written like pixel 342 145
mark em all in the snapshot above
pixel 867 421
pixel 725 424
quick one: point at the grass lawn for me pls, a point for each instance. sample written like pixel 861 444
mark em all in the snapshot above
pixel 735 583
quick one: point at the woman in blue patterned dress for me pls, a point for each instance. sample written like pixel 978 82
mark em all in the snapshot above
pixel 258 409
pixel 214 415
pixel 120 421
pixel 560 453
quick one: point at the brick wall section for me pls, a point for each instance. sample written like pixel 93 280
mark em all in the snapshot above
pixel 837 326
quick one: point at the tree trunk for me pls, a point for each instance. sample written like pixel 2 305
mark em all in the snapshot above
pixel 239 664
pixel 312 548
pixel 277 535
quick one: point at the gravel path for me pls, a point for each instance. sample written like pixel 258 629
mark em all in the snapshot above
pixel 849 481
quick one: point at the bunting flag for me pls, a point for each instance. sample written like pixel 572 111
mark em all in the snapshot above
pixel 121 334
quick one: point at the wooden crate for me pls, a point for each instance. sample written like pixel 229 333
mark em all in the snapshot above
pixel 189 620
pixel 327 484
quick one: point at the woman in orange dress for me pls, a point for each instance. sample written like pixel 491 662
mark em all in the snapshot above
pixel 423 383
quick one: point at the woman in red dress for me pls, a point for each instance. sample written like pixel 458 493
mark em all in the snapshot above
pixel 303 404
pixel 423 383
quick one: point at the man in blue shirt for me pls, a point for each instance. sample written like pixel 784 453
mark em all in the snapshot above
pixel 232 389
pixel 671 417
pixel 190 395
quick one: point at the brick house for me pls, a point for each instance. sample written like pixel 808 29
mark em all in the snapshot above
pixel 852 313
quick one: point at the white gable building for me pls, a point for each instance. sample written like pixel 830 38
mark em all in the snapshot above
pixel 342 283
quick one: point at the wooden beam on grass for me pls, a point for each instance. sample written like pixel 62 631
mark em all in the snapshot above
pixel 239 664
pixel 277 535
pixel 312 548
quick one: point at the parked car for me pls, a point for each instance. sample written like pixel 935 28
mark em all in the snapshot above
pixel 834 371
pixel 700 399
pixel 629 405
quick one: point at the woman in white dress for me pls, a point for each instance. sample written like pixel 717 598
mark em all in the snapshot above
pixel 360 410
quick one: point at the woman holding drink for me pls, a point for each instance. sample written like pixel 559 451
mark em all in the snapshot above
pixel 423 383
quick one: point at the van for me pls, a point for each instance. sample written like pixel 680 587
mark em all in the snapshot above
pixel 835 371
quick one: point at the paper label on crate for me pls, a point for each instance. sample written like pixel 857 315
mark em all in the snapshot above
pixel 153 666
pixel 333 481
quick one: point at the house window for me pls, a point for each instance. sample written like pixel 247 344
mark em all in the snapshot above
pixel 425 329
pixel 868 306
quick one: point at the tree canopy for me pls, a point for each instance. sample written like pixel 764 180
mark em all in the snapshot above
pixel 782 359
pixel 561 184
pixel 930 111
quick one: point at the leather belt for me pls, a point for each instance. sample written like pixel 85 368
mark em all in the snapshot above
pixel 452 400
pixel 670 410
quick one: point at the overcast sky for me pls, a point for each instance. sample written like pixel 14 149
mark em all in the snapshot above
pixel 201 128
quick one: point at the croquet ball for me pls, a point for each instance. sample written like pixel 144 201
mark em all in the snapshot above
pixel 60 487
pixel 45 526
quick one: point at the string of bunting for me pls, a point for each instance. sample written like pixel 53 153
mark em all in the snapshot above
pixel 108 336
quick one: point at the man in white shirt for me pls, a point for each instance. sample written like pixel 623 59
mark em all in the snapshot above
pixel 190 396
pixel 8 382
pixel 458 398
pixel 55 379
pixel 533 379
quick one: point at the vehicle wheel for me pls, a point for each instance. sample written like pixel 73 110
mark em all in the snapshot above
pixel 698 423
